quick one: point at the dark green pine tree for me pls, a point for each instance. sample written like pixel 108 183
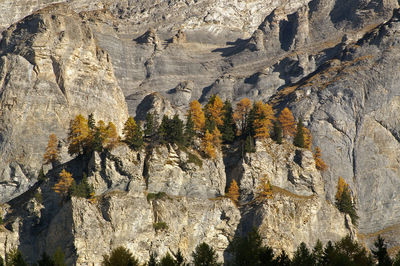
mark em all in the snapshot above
pixel 190 133
pixel 180 260
pixel 282 260
pixel 228 129
pixel 318 253
pixel 176 130
pixel 97 142
pixel 163 129
pixel 149 126
pixel 277 132
pixel 249 145
pixel 249 250
pixel 299 138
pixel 152 260
pixel 204 255
pixel 167 260
pixel 91 122
pixel 345 205
pixel 302 256
pixel 381 254
pixel 249 129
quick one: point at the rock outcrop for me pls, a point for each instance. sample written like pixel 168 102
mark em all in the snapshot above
pixel 333 62
pixel 51 70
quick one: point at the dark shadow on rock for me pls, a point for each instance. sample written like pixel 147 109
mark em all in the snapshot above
pixel 235 47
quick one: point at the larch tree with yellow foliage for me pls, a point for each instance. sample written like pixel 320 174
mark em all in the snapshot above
pixel 319 163
pixel 78 136
pixel 263 120
pixel 196 113
pixel 307 138
pixel 207 145
pixel 51 154
pixel 265 189
pixel 214 113
pixel 241 114
pixel 112 137
pixel 233 192
pixel 287 122
pixel 65 182
pixel 344 200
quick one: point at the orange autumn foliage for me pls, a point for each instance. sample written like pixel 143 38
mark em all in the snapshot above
pixel 51 155
pixel 241 114
pixel 319 163
pixel 287 122
pixel 197 115
pixel 264 116
pixel 64 183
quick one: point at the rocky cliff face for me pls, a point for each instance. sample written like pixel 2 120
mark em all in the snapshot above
pixel 333 62
pixel 51 70
pixel 161 210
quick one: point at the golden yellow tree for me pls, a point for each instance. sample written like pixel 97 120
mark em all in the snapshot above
pixel 112 137
pixel 319 163
pixel 51 154
pixel 287 122
pixel 233 191
pixel 241 114
pixel 64 183
pixel 217 138
pixel 207 145
pixel 263 119
pixel 78 136
pixel 341 188
pixel 265 189
pixel 307 138
pixel 213 110
pixel 197 115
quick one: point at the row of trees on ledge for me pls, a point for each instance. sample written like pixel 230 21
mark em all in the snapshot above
pixel 249 250
pixel 213 124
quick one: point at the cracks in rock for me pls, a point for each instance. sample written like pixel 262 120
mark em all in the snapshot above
pixel 58 72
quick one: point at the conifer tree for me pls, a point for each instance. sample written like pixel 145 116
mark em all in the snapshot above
pixel 380 253
pixel 176 130
pixel 287 122
pixel 78 136
pixel 149 126
pixel 189 133
pixel 344 201
pixel 302 256
pixel 319 163
pixel 179 259
pixel 65 182
pixel 298 140
pixel 204 255
pixel 120 256
pixel 307 138
pixel 91 122
pixel 228 128
pixel 249 145
pixel 233 191
pixel 52 154
pixel 213 112
pixel 133 134
pixel 197 115
pixel 263 118
pixel 207 145
pixel 277 136
pixel 112 137
pixel 241 114
pixel 265 189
